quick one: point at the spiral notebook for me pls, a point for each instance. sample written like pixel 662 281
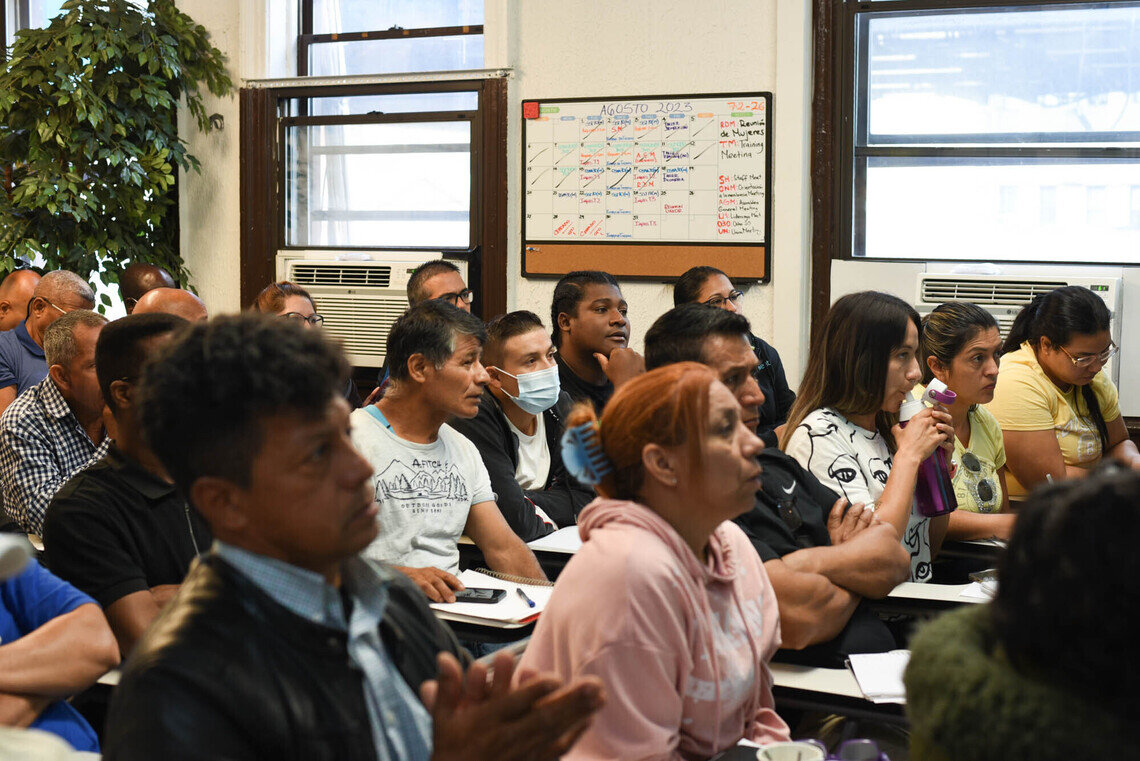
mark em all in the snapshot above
pixel 510 612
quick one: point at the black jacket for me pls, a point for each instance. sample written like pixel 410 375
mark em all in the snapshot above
pixel 778 397
pixel 227 673
pixel 562 497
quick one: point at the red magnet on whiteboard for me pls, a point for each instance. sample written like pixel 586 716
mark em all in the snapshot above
pixel 530 109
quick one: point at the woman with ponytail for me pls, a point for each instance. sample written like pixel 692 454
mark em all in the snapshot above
pixel 1058 410
pixel 961 347
pixel 667 602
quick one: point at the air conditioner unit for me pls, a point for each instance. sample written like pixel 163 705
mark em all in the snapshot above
pixel 360 295
pixel 1003 296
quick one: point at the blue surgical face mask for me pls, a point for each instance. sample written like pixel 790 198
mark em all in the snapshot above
pixel 538 390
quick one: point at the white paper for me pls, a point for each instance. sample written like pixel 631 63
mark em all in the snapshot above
pixel 977 590
pixel 566 540
pixel 509 609
pixel 880 675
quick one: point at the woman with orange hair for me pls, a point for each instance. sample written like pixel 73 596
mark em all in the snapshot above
pixel 666 601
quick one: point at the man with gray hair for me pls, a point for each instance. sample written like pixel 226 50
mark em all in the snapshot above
pixel 22 363
pixel 54 429
pixel 429 481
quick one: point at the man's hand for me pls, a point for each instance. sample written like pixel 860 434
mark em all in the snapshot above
pixel 844 522
pixel 434 583
pixel 474 720
pixel 622 365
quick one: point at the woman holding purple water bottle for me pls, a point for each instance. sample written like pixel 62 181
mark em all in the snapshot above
pixel 960 348
pixel 862 367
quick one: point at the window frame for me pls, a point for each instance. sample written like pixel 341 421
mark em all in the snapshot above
pixel 263 192
pixel 473 118
pixel 306 39
pixel 844 30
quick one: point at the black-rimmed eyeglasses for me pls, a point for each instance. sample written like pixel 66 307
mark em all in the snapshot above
pixel 718 300
pixel 315 320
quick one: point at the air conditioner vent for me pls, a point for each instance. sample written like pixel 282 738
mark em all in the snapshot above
pixel 371 276
pixel 985 292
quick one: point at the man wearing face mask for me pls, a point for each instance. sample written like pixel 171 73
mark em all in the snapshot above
pixel 519 425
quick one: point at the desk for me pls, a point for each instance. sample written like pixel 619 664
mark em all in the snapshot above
pixel 987 550
pixel 552 551
pixel 830 690
pixel 491 633
pixel 914 599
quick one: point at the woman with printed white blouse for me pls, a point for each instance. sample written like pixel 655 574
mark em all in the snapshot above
pixel 1059 411
pixel 961 347
pixel 844 425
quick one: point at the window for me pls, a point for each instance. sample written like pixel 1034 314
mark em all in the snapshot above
pixel 1004 132
pixel 380 170
pixel 27 14
pixel 341 37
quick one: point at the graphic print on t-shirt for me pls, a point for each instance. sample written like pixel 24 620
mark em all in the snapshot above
pixel 422 484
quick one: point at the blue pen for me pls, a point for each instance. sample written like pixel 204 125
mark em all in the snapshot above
pixel 529 602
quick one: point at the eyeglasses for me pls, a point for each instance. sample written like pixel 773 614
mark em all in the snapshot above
pixel 718 300
pixel 466 296
pixel 54 306
pixel 315 320
pixel 1087 360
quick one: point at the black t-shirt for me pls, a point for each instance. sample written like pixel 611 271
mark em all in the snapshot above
pixel 791 508
pixel 579 390
pixel 790 514
pixel 115 529
pixel 778 397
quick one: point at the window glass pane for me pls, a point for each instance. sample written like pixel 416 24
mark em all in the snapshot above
pixel 334 16
pixel 350 105
pixel 379 185
pixel 330 59
pixel 1002 210
pixel 36 14
pixel 1074 70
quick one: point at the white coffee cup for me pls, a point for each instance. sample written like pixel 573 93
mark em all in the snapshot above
pixel 793 751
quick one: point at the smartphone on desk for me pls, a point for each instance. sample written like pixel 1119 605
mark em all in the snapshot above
pixel 480 595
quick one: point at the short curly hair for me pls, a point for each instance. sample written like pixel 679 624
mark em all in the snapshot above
pixel 204 395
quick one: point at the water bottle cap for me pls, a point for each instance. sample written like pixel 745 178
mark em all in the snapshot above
pixel 937 391
pixel 910 408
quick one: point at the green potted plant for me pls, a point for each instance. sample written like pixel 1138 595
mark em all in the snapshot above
pixel 89 135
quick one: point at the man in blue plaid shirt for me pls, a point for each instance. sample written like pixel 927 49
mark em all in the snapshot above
pixel 55 427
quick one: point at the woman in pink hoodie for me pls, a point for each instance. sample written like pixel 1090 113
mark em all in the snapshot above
pixel 667 602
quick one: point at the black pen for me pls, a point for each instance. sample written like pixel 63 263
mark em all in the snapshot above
pixel 529 602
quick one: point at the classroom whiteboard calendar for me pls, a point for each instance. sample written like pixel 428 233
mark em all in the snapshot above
pixel 671 170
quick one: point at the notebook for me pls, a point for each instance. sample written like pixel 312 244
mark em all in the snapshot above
pixel 508 613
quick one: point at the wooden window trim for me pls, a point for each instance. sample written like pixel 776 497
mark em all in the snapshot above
pixel 261 114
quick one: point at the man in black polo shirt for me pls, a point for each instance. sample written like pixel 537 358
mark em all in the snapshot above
pixel 822 556
pixel 119 530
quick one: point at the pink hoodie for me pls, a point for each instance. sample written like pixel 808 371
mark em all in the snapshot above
pixel 681 646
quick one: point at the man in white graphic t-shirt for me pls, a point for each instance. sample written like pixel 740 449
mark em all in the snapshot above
pixel 430 482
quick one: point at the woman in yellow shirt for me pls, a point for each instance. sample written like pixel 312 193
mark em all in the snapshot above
pixel 961 347
pixel 1058 410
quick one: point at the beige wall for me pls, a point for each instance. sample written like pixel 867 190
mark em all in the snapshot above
pixel 558 48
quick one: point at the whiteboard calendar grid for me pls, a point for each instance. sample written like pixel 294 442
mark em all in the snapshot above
pixel 648 170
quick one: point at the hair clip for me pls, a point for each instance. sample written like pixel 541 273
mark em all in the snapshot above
pixel 582 454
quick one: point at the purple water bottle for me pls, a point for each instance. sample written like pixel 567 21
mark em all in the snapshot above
pixel 934 492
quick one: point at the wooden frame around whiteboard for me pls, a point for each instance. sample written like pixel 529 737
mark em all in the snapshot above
pixel 652 260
